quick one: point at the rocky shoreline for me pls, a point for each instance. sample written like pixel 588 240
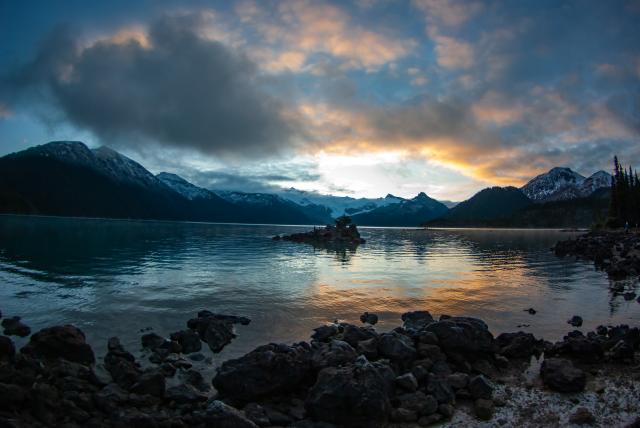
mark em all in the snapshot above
pixel 450 370
pixel 615 252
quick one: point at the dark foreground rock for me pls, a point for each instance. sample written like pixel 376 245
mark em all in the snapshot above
pixel 343 233
pixel 347 376
pixel 560 375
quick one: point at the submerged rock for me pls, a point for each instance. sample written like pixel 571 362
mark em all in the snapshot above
pixel 215 330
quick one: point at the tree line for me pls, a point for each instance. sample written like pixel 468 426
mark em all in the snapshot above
pixel 625 196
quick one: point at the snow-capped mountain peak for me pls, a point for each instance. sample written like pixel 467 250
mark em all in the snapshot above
pixel 183 187
pixel 562 183
pixel 123 169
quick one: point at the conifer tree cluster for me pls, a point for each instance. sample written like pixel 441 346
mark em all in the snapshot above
pixel 625 196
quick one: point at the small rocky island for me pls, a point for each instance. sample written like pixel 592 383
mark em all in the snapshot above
pixel 343 233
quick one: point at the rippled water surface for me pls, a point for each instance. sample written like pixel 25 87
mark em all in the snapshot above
pixel 113 277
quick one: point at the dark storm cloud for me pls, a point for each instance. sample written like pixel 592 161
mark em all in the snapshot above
pixel 178 89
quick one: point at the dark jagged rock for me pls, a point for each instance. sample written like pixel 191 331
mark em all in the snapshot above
pixel 582 416
pixel 560 375
pixel 268 369
pixel 151 382
pixel 342 234
pixel 183 394
pixel 352 334
pixel 397 348
pixel 368 318
pixel 416 320
pixel 189 341
pixel 439 387
pixel 325 332
pixel 462 334
pixel 407 382
pixel 480 387
pixel 121 364
pixel 356 395
pixel 221 415
pixel 575 321
pixel 152 341
pixel 332 354
pixel 66 342
pixel 7 349
pixel 14 327
pixel 418 402
pixel 484 409
pixel 216 330
pixel 519 345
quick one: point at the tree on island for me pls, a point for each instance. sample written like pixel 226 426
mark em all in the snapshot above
pixel 625 196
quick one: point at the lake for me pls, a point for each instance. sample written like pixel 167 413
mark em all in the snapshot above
pixel 115 277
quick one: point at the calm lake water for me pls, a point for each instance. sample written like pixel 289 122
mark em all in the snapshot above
pixel 113 277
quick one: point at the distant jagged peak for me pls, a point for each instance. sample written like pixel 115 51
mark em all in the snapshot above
pixel 183 187
pixel 562 183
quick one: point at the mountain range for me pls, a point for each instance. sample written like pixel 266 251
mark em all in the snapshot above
pixel 69 179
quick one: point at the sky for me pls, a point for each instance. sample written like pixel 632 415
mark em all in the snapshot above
pixel 360 98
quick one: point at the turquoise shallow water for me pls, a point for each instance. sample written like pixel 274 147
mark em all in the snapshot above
pixel 115 277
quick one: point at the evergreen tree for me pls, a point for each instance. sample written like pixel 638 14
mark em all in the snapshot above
pixel 625 196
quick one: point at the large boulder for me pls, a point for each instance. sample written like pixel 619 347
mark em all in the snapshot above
pixel 560 375
pixel 268 369
pixel 67 342
pixel 396 347
pixel 189 341
pixel 519 345
pixel 462 334
pixel 332 354
pixel 352 334
pixel 121 364
pixel 14 327
pixel 356 395
pixel 7 348
pixel 417 320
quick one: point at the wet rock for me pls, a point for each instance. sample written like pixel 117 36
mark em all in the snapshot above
pixel 407 382
pixel 416 320
pixel 396 347
pixel 353 334
pixel 519 345
pixel 152 341
pixel 560 375
pixel 121 364
pixel 458 380
pixel 332 354
pixel 403 415
pixel 267 370
pixel 7 349
pixel 418 402
pixel 369 348
pixel 582 416
pixel 463 334
pixel 480 387
pixel 325 332
pixel 66 342
pixel 150 382
pixel 575 321
pixel 256 414
pixel 440 368
pixel 576 345
pixel 446 410
pixel 216 330
pixel 369 318
pixel 426 421
pixel 221 415
pixel 189 341
pixel 14 327
pixel 194 378
pixel 183 394
pixel 484 409
pixel 432 352
pixel 356 395
pixel 440 389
